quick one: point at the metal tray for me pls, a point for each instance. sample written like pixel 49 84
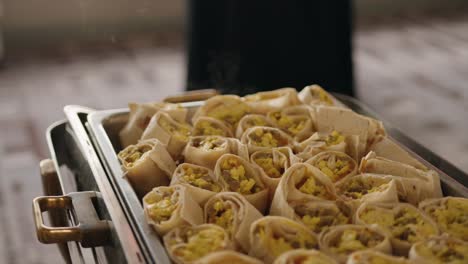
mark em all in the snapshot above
pixel 105 126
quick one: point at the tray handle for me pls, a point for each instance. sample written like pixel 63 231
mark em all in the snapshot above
pixel 90 231
pixel 190 96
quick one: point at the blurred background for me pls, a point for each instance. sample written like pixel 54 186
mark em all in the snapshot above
pixel 410 63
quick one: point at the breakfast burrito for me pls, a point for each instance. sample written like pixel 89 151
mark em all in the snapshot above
pixel 261 138
pixel 271 236
pixel 414 185
pixel 301 181
pixel 147 165
pixel 227 108
pixel 374 257
pixel 236 174
pixel 450 215
pixel 208 126
pixel 304 256
pixel 168 207
pixel 170 132
pixel 367 188
pixel 273 163
pixel 263 102
pixel 441 249
pixel 187 244
pixel 140 115
pixel 235 214
pixel 206 150
pixel 340 241
pixel 406 223
pixel 227 256
pixel 296 121
pixel 336 165
pixel 316 95
pixel 324 141
pixel 249 121
pixel 200 182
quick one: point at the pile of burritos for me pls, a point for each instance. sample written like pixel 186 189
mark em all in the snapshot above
pixel 286 177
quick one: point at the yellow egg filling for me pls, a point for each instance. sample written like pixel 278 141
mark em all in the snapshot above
pixel 254 121
pixel 221 214
pixel 161 207
pixel 209 143
pixel 316 219
pixel 357 187
pixel 200 243
pixel 452 217
pixel 293 125
pixel 353 240
pixel 334 138
pixel 133 153
pixel 444 251
pixel 407 224
pixel 278 244
pixel 309 185
pixel 272 169
pixel 237 178
pixel 269 139
pixel 200 178
pixel 322 96
pixel 178 131
pixel 207 128
pixel 230 113
pixel 335 168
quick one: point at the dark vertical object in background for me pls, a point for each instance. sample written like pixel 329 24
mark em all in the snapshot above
pixel 243 46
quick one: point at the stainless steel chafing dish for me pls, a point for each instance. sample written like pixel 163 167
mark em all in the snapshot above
pixel 96 217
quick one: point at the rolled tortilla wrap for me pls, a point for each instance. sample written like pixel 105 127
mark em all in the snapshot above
pixel 206 150
pixel 406 223
pixel 414 185
pixel 263 102
pixel 261 138
pixel 168 207
pixel 296 121
pixel 442 249
pixel 235 214
pixel 187 244
pixel 316 95
pixel 301 181
pixel 374 257
pixel 227 256
pixel 140 115
pixel 450 215
pixel 341 241
pixel 208 126
pixel 273 163
pixel 249 121
pixel 304 256
pixel 170 132
pixel 271 236
pixel 147 165
pixel 334 141
pixel 336 165
pixel 200 182
pixel 238 175
pixel 367 188
pixel 226 108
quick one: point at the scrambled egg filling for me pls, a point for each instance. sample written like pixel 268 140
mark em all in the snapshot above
pixel 230 113
pixel 200 243
pixel 353 240
pixel 452 252
pixel 406 224
pixel 356 188
pixel 278 244
pixel 322 96
pixel 206 128
pixel 336 169
pixel 132 154
pixel 272 169
pixel 236 176
pixel 209 143
pixel 452 218
pixel 334 138
pixel 200 178
pixel 316 219
pixel 178 131
pixel 254 121
pixel 267 138
pixel 292 125
pixel 309 185
pixel 222 215
pixel 161 208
